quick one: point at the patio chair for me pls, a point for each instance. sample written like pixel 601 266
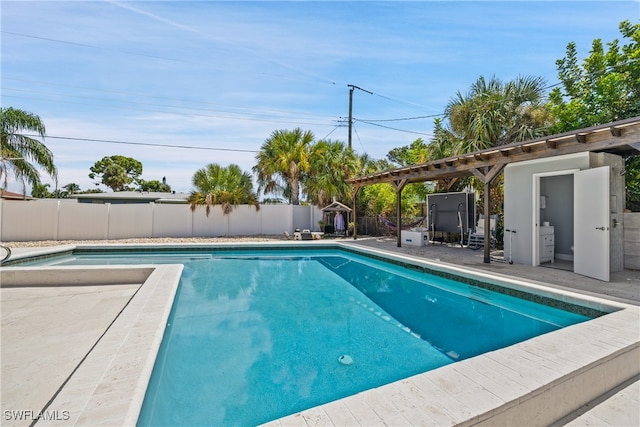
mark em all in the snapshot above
pixel 476 237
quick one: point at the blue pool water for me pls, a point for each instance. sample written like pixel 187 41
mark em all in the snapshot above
pixel 254 336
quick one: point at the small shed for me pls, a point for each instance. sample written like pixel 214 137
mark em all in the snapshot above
pixel 336 217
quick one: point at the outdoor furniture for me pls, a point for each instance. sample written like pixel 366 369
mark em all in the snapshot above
pixel 476 238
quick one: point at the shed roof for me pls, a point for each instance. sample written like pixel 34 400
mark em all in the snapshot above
pixel 336 207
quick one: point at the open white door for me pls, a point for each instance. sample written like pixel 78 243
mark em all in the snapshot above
pixel 591 223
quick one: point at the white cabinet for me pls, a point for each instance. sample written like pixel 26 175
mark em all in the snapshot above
pixel 547 244
pixel 415 238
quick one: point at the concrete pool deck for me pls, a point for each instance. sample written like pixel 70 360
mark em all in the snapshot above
pixel 463 394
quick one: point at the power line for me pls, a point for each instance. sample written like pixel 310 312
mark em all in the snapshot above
pixel 333 130
pixel 396 129
pixel 388 98
pixel 359 140
pixel 146 144
pixel 412 104
pixel 405 118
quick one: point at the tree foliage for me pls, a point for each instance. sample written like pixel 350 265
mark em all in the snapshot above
pixel 605 88
pixel 116 172
pixel 632 182
pixel 153 185
pixel 20 154
pixel 415 153
pixel 331 163
pixel 40 190
pixel 282 162
pixel 492 113
pixel 226 186
pixel 377 199
pixel 292 163
pixel 72 188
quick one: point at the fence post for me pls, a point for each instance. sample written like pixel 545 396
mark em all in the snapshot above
pixel 57 223
pixel 108 216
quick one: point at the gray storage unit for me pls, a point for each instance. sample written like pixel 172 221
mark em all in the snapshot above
pixel 446 212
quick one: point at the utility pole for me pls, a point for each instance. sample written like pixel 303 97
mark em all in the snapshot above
pixel 351 88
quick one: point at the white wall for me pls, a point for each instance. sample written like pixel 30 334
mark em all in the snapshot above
pixel 276 218
pixel 245 221
pixel 632 240
pixel 29 221
pixel 303 215
pixel 172 221
pixel 130 220
pixel 75 221
pixel 212 225
pixel 518 198
pixel 50 219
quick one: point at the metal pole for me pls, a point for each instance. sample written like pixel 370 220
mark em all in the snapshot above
pixel 351 88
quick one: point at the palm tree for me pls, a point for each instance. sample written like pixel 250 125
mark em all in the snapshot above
pixel 368 165
pixel 22 154
pixel 40 190
pixel 72 188
pixel 493 113
pixel 330 165
pixel 282 162
pixel 225 186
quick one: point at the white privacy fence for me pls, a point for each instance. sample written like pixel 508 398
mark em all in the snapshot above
pixel 51 219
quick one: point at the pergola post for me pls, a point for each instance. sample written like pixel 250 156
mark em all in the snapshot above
pixel 399 217
pixel 487 222
pixel 356 190
pixel 486 176
pixel 399 185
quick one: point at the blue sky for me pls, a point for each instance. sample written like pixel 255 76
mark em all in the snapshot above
pixel 222 75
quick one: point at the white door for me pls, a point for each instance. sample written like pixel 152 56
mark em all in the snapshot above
pixel 591 223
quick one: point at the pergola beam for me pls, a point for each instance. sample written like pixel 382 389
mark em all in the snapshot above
pixel 615 131
pixel 622 134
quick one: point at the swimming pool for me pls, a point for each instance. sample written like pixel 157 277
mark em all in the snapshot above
pixel 271 327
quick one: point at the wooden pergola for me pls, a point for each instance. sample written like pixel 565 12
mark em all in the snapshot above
pixel 621 137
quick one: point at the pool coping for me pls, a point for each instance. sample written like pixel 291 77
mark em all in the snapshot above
pixel 508 386
pixel 108 387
